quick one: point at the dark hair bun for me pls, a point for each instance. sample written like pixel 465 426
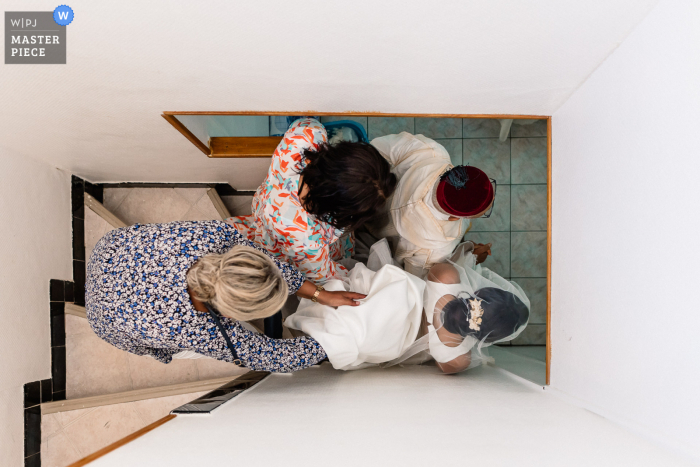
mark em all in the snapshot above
pixel 348 183
pixel 504 313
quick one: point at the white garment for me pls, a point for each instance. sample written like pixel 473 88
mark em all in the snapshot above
pixel 378 330
pixel 384 327
pixel 428 200
pixel 473 277
pixel 427 237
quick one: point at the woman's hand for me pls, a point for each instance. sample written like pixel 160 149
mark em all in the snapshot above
pixel 339 298
pixel 481 251
pixel 328 298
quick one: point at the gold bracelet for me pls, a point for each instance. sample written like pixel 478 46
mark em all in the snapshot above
pixel 319 289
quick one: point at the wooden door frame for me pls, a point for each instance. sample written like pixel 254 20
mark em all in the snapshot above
pixel 548 347
pixel 171 117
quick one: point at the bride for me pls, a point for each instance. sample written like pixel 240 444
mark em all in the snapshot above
pixel 451 317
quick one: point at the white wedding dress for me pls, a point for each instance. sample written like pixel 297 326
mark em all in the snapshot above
pixel 384 328
pixel 380 329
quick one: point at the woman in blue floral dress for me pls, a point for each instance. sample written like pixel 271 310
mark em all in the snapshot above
pixel 139 295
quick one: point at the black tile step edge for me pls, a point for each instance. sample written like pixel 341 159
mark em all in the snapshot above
pixel 60 293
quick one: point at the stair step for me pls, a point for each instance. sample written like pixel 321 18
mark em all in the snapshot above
pixel 218 204
pixel 94 367
pixel 112 393
pixel 72 438
pixel 99 209
pixel 134 395
pixel 75 310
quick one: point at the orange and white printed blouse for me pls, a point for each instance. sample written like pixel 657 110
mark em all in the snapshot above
pixel 281 224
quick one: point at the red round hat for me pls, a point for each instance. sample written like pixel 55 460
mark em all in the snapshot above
pixel 464 191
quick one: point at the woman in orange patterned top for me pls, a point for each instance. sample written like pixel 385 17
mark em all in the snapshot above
pixel 313 197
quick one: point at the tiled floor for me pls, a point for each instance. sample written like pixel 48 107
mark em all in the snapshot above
pixel 69 436
pixel 148 205
pixel 518 226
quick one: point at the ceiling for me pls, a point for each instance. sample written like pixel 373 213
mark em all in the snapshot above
pixel 98 116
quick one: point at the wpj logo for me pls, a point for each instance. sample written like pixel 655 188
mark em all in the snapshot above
pixel 36 37
pixel 23 23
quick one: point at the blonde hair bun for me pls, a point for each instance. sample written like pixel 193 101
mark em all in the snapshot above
pixel 242 284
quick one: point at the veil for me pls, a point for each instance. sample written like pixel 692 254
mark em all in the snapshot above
pixel 484 295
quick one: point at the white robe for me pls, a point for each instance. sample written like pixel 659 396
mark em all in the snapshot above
pixel 427 237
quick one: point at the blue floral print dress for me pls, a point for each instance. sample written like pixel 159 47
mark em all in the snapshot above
pixel 137 299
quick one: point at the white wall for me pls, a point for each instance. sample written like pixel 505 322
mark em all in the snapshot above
pixel 98 116
pixel 35 246
pixel 626 197
pixel 408 417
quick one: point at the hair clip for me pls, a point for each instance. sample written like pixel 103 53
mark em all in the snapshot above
pixel 476 313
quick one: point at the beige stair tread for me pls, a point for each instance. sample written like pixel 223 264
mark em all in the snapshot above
pixel 135 395
pixel 94 367
pixel 157 205
pixel 75 310
pixel 69 436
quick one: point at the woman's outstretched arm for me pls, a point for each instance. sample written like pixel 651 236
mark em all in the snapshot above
pixel 261 353
pixel 297 283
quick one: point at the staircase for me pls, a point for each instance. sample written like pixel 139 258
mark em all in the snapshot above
pixel 111 393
